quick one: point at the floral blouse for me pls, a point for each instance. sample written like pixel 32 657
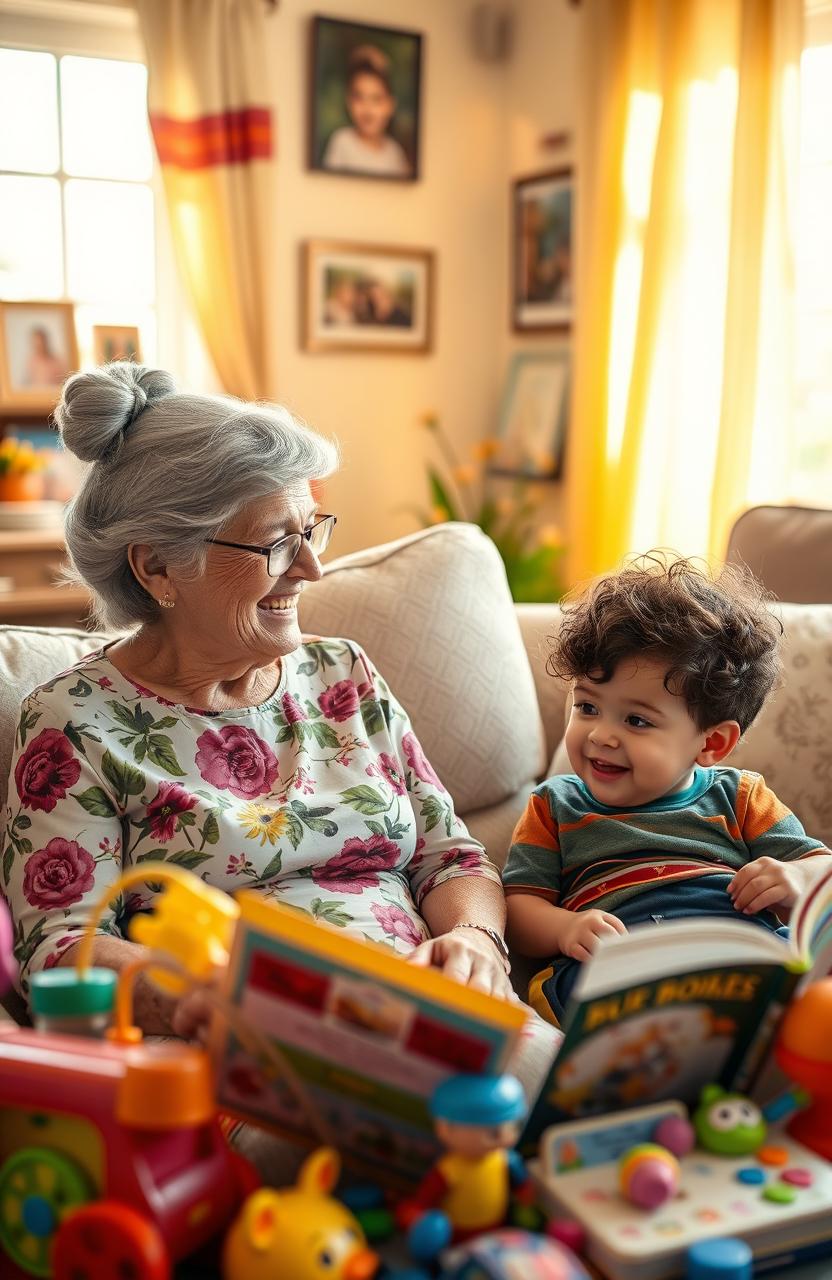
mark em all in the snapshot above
pixel 320 797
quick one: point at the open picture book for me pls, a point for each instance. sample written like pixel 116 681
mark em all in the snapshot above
pixel 339 1040
pixel 660 1011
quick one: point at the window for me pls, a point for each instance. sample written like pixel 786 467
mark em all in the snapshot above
pixel 76 202
pixel 812 454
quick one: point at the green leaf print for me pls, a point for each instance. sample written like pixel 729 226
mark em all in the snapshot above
pixel 190 859
pixel 376 827
pixel 136 721
pixel 22 822
pixel 365 799
pixel 28 720
pixel 122 777
pixel 211 828
pixel 167 722
pixel 160 751
pixel 313 712
pixel 330 910
pixel 8 859
pixel 394 830
pixel 323 733
pixel 27 946
pixel 372 716
pixel 272 867
pixel 432 811
pixel 294 830
pixel 96 801
pixel 81 689
pixel 315 819
pixel 152 855
pixel 285 734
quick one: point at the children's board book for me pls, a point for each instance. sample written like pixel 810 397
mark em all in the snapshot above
pixel 660 1011
pixel 339 1039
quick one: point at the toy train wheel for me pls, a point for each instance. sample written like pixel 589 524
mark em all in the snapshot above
pixel 109 1241
pixel 38 1187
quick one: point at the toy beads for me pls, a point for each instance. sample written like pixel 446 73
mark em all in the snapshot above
pixel 648 1175
pixel 728 1124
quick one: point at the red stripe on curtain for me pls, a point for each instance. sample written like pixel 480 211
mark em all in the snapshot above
pixel 229 137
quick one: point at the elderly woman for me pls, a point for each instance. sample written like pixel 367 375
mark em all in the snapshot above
pixel 212 734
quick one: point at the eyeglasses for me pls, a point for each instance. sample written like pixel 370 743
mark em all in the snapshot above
pixel 282 554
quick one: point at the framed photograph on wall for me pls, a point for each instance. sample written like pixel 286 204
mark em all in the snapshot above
pixel 115 342
pixel 364 297
pixel 542 252
pixel 364 100
pixel 38 350
pixel 534 416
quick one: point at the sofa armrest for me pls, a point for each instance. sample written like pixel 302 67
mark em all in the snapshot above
pixel 538 623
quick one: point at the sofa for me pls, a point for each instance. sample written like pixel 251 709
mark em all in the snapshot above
pixel 434 613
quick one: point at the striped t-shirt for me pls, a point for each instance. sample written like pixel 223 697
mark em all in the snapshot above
pixel 578 853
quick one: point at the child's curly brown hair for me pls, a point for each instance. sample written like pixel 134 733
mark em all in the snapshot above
pixel 717 634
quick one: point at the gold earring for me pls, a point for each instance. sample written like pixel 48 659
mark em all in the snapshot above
pixel 167 603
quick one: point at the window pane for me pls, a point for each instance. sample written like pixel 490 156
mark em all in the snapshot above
pixel 814 247
pixel 109 236
pixel 31 256
pixel 104 118
pixel 29 111
pixel 815 78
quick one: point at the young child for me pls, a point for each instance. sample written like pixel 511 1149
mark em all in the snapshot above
pixel 365 146
pixel 668 668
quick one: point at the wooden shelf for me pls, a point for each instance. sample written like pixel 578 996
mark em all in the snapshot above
pixel 13 540
pixel 43 602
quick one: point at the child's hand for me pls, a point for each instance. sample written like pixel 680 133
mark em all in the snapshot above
pixel 766 883
pixel 581 937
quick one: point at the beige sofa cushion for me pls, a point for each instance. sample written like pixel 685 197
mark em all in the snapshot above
pixel 789 549
pixel 28 657
pixel 435 615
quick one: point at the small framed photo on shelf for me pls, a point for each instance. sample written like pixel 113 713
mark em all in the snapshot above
pixel 38 351
pixel 115 342
pixel 542 252
pixel 365 100
pixel 363 297
pixel 533 417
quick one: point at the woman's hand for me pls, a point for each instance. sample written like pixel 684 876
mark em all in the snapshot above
pixel 191 1016
pixel 468 956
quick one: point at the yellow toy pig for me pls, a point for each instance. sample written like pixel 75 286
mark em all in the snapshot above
pixel 300 1233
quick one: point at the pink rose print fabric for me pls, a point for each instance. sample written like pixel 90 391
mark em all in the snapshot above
pixel 58 875
pixel 237 760
pixel 321 798
pixel 46 771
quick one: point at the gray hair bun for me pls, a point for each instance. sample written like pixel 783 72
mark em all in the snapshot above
pixel 96 407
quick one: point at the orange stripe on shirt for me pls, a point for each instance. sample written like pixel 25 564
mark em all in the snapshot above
pixel 762 811
pixel 537 826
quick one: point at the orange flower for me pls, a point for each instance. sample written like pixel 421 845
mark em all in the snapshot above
pixel 485 450
pixel 464 474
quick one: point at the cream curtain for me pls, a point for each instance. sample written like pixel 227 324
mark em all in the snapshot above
pixel 212 127
pixel 683 361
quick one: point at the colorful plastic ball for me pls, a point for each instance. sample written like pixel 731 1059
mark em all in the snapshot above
pixel 648 1175
pixel 677 1134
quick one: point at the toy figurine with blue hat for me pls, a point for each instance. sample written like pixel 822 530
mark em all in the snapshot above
pixel 478 1119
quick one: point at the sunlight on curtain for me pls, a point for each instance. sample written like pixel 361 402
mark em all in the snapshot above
pixel 683 359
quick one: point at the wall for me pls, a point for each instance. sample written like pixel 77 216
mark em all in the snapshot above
pixel 372 402
pixel 541 96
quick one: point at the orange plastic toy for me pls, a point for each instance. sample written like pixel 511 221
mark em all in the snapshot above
pixel 804 1051
pixel 112 1162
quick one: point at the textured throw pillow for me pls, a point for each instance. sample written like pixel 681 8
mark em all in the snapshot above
pixel 435 615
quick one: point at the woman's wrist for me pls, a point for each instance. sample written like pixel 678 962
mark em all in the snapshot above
pixel 496 939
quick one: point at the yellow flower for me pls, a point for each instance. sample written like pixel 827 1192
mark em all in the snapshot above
pixel 263 821
pixel 486 450
pixel 464 474
pixel 550 535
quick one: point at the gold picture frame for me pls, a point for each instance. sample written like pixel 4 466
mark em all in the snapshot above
pixel 367 297
pixel 38 352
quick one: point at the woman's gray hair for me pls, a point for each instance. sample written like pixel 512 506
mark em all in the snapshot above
pixel 168 469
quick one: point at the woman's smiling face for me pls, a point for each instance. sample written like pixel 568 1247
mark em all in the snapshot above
pixel 234 609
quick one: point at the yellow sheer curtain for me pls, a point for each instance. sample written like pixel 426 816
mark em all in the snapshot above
pixel 211 123
pixel 685 271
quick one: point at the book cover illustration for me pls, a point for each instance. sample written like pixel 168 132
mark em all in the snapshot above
pixel 367 1035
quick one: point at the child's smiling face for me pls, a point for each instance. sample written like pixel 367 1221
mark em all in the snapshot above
pixel 630 740
pixel 370 105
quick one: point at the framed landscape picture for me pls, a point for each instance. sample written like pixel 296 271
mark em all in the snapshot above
pixel 542 252
pixel 363 297
pixel 534 415
pixel 364 91
pixel 38 351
